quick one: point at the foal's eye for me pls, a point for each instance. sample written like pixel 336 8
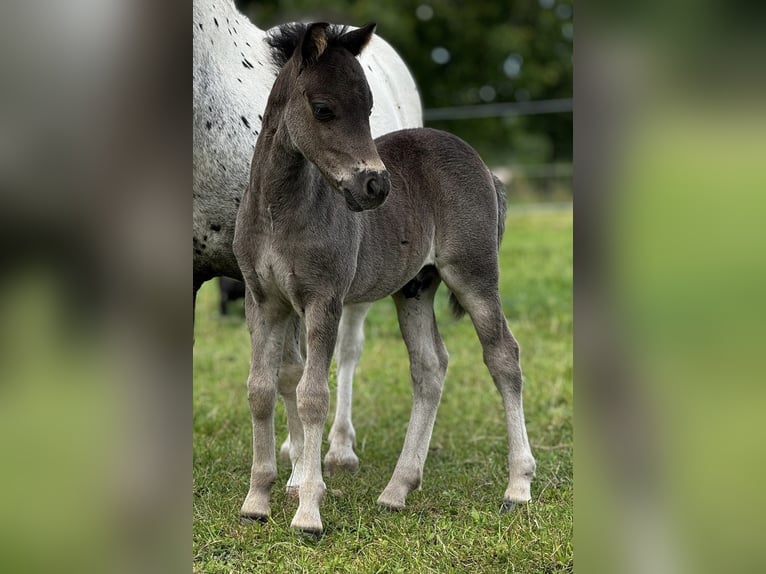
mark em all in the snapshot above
pixel 322 112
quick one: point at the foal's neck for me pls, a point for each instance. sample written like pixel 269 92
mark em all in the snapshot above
pixel 291 190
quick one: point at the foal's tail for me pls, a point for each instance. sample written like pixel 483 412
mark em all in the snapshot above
pixel 502 206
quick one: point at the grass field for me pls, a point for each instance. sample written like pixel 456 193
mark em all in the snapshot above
pixel 453 524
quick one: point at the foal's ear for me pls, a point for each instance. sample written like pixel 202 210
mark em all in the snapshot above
pixel 313 43
pixel 356 40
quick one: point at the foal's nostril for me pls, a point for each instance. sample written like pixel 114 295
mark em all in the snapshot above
pixel 373 186
pixel 377 185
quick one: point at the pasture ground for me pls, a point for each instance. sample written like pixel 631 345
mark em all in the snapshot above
pixel 451 525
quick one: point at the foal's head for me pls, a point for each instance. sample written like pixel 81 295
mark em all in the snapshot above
pixel 327 105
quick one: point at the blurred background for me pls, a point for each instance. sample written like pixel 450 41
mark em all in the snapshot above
pixel 669 312
pixel 498 74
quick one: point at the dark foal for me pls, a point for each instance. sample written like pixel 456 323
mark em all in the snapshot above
pixel 331 218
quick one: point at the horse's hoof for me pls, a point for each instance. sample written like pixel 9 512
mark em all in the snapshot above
pixel 251 518
pixel 507 507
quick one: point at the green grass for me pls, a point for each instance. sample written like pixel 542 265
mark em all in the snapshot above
pixel 453 524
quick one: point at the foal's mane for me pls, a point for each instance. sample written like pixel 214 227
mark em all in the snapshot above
pixel 287 37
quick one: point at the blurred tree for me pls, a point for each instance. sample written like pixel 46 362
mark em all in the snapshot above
pixel 470 53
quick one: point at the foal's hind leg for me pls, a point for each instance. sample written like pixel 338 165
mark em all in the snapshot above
pixel 479 296
pixel 428 366
pixel 348 349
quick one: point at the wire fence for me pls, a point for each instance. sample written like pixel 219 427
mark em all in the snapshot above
pixel 547 171
pixel 500 109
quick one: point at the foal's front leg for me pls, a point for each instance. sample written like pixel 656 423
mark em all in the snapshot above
pixel 267 334
pixel 348 350
pixel 313 397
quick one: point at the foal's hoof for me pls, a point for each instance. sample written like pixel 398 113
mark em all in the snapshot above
pixel 391 501
pixel 308 528
pixel 251 518
pixel 311 533
pixel 507 507
pixel 344 462
pixel 394 496
pixel 388 508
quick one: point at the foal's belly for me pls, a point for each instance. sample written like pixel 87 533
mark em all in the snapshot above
pixel 388 261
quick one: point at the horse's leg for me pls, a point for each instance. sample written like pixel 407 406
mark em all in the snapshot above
pixel 478 294
pixel 196 284
pixel 267 325
pixel 428 366
pixel 348 349
pixel 289 375
pixel 223 298
pixel 284 450
pixel 313 398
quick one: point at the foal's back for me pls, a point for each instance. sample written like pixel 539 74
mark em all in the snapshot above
pixel 438 173
pixel 443 180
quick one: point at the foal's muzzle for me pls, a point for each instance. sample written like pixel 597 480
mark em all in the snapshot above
pixel 367 190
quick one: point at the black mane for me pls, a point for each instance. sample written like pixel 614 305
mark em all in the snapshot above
pixel 285 38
